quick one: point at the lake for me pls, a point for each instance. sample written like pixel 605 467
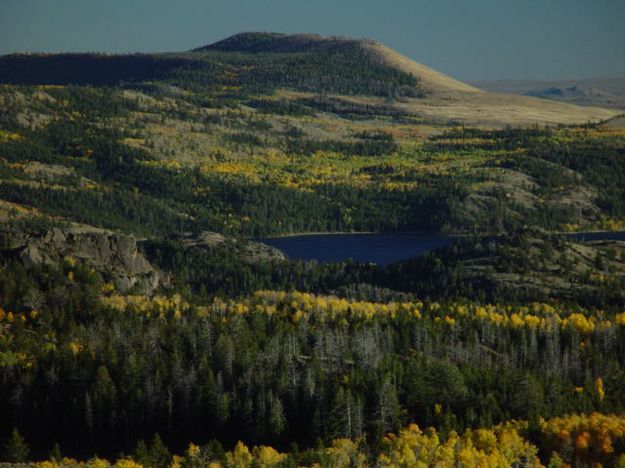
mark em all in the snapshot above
pixel 374 248
pixel 383 248
pixel 596 236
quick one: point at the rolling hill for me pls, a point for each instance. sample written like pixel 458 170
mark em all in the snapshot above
pixel 252 63
pixel 602 92
pixel 138 302
pixel 263 134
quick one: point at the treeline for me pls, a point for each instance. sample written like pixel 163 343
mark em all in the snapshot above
pixel 575 439
pixel 97 376
pixel 470 268
pixel 86 69
pixel 345 69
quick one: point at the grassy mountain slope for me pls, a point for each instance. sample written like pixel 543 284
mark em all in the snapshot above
pixel 272 134
pixel 161 161
pixel 253 63
pixel 431 79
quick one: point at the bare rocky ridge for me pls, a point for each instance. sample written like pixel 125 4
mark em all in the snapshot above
pixel 113 255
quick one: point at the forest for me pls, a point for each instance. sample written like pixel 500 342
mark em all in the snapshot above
pixel 291 369
pixel 183 343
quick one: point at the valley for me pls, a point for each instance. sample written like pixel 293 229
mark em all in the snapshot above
pixel 156 308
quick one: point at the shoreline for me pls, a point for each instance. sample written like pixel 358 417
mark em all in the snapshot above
pixel 414 233
pixel 346 233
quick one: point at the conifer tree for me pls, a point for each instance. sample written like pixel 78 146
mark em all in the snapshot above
pixel 16 449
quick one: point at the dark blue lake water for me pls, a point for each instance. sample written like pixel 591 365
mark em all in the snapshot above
pixel 375 248
pixel 383 248
pixel 596 236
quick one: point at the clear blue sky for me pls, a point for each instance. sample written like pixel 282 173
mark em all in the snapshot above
pixel 468 39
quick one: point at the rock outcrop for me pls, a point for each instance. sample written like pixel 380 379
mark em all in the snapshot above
pixel 250 251
pixel 113 255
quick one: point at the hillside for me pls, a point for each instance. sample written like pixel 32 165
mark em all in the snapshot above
pixel 253 63
pixel 600 92
pixel 252 153
pixel 311 43
pixel 142 315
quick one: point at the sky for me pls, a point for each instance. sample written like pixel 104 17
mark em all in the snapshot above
pixel 468 39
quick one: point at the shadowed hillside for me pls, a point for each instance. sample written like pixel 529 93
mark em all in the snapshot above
pixel 251 64
pixel 86 69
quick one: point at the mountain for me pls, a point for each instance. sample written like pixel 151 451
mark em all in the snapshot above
pixel 141 313
pixel 268 134
pixel 602 92
pixel 249 64
pixel 311 43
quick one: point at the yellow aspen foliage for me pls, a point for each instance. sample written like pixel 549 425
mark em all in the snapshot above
pixel 484 440
pixel 65 461
pixel 98 463
pixel 127 463
pixel 176 461
pixel 75 347
pixel 599 388
pixel 344 453
pixel 266 456
pixel 592 437
pixel 582 441
pixel 6 136
pixel 240 456
pixel 501 446
pixel 193 451
pixel 46 464
pixel 315 309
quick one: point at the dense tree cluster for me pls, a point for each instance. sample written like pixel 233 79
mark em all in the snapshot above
pixel 278 368
pixel 505 348
pixel 344 68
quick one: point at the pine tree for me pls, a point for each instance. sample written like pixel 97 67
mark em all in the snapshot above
pixel 16 449
pixel 55 453
pixel 159 453
pixel 141 453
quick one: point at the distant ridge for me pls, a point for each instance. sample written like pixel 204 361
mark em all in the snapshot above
pixel 251 64
pixel 603 92
pixel 267 42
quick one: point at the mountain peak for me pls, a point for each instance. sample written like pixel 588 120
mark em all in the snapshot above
pixel 256 42
pixel 270 42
